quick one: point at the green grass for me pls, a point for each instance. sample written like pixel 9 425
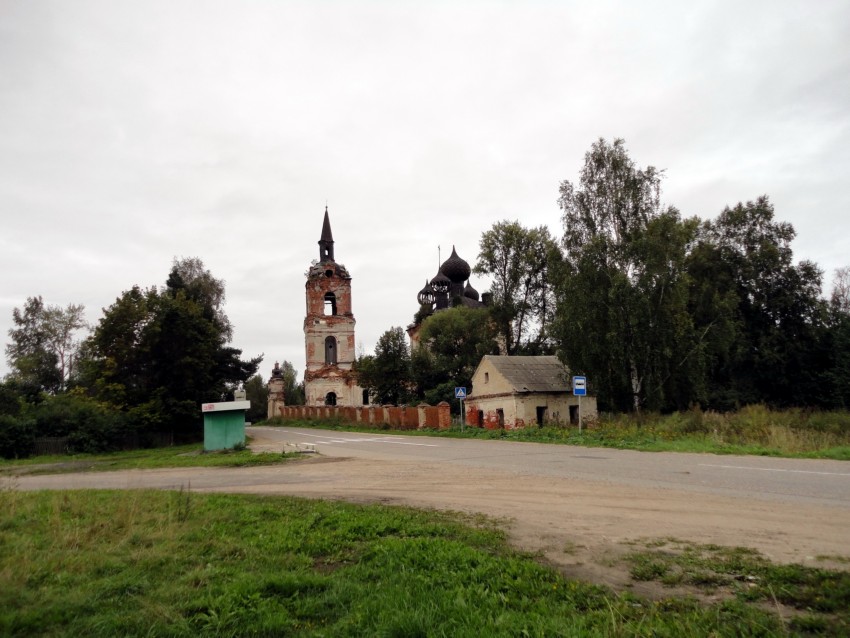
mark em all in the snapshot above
pixel 754 430
pixel 152 563
pixel 176 456
pixel 815 599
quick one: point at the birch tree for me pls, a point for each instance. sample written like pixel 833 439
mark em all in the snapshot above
pixel 45 343
pixel 622 297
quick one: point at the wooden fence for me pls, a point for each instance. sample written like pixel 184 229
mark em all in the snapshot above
pixel 62 444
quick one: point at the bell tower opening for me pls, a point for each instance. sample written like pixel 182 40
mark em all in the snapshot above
pixel 330 398
pixel 330 304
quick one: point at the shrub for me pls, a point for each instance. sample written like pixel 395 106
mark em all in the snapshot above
pixel 837 423
pixel 693 421
pixel 750 424
pixel 90 426
pixel 17 436
pixel 10 402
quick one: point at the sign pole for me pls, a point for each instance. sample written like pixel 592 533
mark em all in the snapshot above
pixel 579 414
pixel 579 390
pixel 460 395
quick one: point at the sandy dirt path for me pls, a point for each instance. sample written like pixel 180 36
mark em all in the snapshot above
pixel 584 527
pixel 580 526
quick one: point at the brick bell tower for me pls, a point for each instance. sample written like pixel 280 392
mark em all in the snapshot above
pixel 329 330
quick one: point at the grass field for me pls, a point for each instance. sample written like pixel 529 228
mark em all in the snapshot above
pixel 817 601
pixel 151 563
pixel 752 430
pixel 176 456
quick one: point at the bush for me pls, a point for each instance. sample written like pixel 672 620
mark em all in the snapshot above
pixel 17 436
pixel 837 423
pixel 90 426
pixel 691 422
pixel 753 424
pixel 10 400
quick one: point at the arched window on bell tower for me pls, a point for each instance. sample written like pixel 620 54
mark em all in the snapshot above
pixel 330 351
pixel 330 303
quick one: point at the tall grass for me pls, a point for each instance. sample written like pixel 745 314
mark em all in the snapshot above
pixel 789 432
pixel 143 563
pixel 754 429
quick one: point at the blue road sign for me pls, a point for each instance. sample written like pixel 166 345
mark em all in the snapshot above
pixel 460 393
pixel 580 386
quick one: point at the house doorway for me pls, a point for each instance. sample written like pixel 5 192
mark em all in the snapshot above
pixel 573 415
pixel 500 414
pixel 330 398
pixel 541 415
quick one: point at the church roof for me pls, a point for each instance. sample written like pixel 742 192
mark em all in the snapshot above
pixel 455 268
pixel 326 243
pixel 440 280
pixel 327 235
pixel 531 374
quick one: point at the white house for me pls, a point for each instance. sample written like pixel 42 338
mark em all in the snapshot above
pixel 515 392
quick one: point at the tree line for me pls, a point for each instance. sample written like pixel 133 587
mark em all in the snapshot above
pixel 140 376
pixel 660 311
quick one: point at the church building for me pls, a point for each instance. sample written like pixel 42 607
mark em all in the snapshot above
pixel 444 291
pixel 329 330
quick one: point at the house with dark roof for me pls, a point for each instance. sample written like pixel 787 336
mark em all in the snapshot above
pixel 515 392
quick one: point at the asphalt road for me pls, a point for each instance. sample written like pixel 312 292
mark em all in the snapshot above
pixel 820 482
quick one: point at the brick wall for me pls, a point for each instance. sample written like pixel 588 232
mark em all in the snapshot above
pixel 396 417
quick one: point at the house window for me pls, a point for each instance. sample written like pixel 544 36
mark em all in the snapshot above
pixel 486 377
pixel 330 351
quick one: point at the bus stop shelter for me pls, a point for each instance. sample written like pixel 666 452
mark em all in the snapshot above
pixel 224 424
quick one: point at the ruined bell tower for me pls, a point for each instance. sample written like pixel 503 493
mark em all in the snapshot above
pixel 329 330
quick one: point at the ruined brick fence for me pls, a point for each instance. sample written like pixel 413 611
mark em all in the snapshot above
pixel 411 417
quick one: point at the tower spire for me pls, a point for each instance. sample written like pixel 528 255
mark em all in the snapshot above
pixel 326 242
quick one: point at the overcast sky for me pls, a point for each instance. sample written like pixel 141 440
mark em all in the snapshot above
pixel 135 132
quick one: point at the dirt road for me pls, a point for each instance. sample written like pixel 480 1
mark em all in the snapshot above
pixel 581 525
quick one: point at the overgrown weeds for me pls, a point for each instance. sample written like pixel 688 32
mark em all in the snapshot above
pixel 812 598
pixel 754 429
pixel 146 563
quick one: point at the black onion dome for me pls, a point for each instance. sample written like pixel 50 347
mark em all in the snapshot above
pixel 426 295
pixel 455 268
pixel 470 292
pixel 441 283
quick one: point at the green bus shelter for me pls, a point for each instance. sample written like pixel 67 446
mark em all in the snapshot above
pixel 224 424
